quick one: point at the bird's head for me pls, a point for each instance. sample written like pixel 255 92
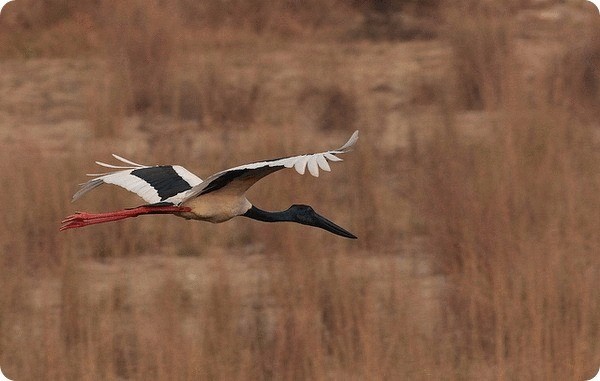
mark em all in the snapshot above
pixel 306 215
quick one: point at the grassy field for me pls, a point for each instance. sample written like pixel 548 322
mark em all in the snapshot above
pixel 474 190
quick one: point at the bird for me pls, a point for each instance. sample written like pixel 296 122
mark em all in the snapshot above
pixel 172 189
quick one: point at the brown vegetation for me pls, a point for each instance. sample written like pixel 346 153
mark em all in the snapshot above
pixel 473 190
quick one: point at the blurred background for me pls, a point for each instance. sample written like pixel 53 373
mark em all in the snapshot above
pixel 474 189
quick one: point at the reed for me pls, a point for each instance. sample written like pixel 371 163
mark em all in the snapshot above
pixel 477 252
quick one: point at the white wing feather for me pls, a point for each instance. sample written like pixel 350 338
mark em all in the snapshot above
pixel 299 163
pixel 132 183
pixel 125 179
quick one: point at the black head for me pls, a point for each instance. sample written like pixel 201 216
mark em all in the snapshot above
pixel 306 215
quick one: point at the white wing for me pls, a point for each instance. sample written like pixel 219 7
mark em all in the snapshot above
pixel 238 180
pixel 155 184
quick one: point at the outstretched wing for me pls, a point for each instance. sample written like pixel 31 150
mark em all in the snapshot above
pixel 161 183
pixel 239 179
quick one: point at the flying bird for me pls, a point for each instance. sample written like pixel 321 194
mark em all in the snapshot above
pixel 172 189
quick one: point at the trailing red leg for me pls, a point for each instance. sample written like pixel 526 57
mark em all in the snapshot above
pixel 81 219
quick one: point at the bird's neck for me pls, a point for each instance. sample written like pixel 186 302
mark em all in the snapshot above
pixel 266 216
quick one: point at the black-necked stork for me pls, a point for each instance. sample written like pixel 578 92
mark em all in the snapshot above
pixel 172 189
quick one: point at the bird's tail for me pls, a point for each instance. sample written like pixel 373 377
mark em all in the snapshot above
pixel 81 219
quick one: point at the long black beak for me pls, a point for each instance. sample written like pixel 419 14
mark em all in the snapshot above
pixel 321 222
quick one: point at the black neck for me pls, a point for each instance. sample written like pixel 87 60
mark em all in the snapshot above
pixel 265 216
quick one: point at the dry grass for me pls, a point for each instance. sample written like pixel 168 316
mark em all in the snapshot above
pixel 513 215
pixel 477 252
pixel 515 221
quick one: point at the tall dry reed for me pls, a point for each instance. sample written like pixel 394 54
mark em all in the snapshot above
pixel 510 217
pixel 514 218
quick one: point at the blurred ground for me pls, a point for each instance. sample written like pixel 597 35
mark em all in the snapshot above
pixel 472 190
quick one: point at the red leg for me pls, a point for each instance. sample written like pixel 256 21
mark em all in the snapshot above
pixel 81 219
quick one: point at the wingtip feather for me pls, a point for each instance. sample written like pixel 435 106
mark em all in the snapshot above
pixel 349 143
pixel 313 166
pixel 120 158
pixel 300 166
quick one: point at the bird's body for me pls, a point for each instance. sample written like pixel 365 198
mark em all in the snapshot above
pixel 172 189
pixel 215 207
